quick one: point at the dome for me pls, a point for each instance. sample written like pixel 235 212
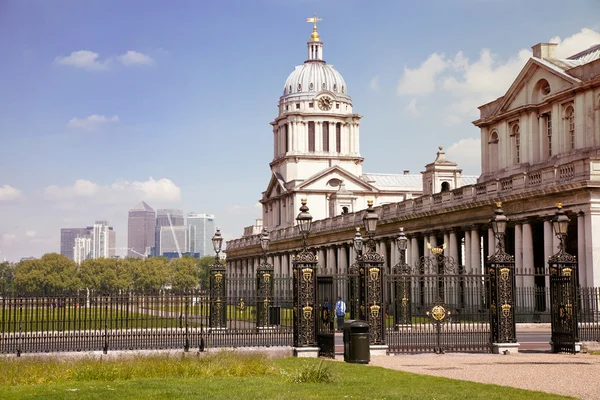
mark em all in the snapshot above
pixel 313 77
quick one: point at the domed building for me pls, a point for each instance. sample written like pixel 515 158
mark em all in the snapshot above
pixel 316 153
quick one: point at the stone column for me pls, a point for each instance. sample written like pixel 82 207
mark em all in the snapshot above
pixel 581 261
pixel 519 256
pixel 548 248
pixel 285 265
pixel 414 253
pixel 331 267
pixel 447 243
pixel 467 254
pixel 342 264
pixel 453 245
pixel 528 267
pixel 491 241
pixel 475 250
pixel 322 261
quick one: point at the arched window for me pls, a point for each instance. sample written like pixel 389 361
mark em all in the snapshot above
pixel 299 87
pixel 493 154
pixel 517 140
pixel 335 87
pixel 570 117
pixel 325 136
pixel 338 137
pixel 285 138
pixel 310 87
pixel 311 136
pixel 445 186
pixel 540 90
pixel 344 210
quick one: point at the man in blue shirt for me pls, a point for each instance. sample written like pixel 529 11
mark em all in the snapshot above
pixel 340 312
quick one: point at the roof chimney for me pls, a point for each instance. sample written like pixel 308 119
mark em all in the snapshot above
pixel 406 172
pixel 544 50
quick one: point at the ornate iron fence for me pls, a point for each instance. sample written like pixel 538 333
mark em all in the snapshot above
pixel 589 314
pixel 167 319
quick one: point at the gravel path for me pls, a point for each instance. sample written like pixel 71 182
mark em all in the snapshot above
pixel 570 375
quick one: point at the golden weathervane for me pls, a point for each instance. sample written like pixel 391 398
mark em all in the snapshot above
pixel 314 21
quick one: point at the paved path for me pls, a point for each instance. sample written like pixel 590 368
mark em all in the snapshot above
pixel 570 375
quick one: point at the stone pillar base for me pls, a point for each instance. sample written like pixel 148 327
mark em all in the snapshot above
pixel 378 349
pixel 505 348
pixel 578 346
pixel 306 352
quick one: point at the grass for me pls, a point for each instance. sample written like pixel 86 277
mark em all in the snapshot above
pixel 228 375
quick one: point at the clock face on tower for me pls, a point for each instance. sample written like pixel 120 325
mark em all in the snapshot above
pixel 325 103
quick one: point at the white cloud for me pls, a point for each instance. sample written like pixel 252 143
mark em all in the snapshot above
pixel 467 154
pixel 161 190
pixel 91 122
pixel 422 80
pixel 576 43
pixel 473 83
pixel 84 59
pixel 89 60
pixel 8 237
pixel 374 83
pixel 412 109
pixel 9 193
pixel 31 234
pixel 134 58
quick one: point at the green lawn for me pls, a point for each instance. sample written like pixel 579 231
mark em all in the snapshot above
pixel 81 318
pixel 230 376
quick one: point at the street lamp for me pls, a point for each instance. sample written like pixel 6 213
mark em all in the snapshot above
pixel 560 223
pixel 402 243
pixel 370 219
pixel 304 220
pixel 217 241
pixel 264 243
pixel 358 242
pixel 499 222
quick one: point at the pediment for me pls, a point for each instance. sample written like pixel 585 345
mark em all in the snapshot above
pixel 276 186
pixel 526 89
pixel 321 181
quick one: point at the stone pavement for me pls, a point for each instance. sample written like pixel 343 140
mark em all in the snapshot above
pixel 565 374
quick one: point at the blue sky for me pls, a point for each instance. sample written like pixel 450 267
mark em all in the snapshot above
pixel 105 103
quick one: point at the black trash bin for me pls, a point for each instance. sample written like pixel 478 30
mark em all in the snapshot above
pixel 356 342
pixel 274 316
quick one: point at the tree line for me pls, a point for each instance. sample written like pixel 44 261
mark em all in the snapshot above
pixel 54 273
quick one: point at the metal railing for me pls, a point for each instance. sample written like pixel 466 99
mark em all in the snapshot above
pixel 165 319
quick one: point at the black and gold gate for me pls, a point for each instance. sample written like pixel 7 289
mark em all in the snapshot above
pixel 437 306
pixel 326 316
pixel 563 291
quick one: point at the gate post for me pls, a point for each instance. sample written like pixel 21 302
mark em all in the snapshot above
pixel 402 286
pixel 304 266
pixel 264 285
pixel 218 288
pixel 371 277
pixel 563 290
pixel 501 268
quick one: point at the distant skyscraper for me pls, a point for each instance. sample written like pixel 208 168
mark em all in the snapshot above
pixel 162 220
pixel 140 232
pixel 82 250
pixel 173 239
pixel 201 228
pixel 67 240
pixel 102 236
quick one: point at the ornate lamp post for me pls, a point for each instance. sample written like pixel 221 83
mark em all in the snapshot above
pixel 402 314
pixel 264 283
pixel 501 267
pixel 218 287
pixel 563 289
pixel 305 278
pixel 356 280
pixel 371 275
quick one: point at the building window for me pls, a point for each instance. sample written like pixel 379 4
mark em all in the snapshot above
pixel 517 135
pixel 287 108
pixel 325 136
pixel 571 126
pixel 337 106
pixel 299 87
pixel 311 105
pixel 445 187
pixel 310 87
pixel 549 133
pixel 285 139
pixel 344 210
pixel 335 87
pixel 338 137
pixel 297 106
pixel 311 136
pixel 493 155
